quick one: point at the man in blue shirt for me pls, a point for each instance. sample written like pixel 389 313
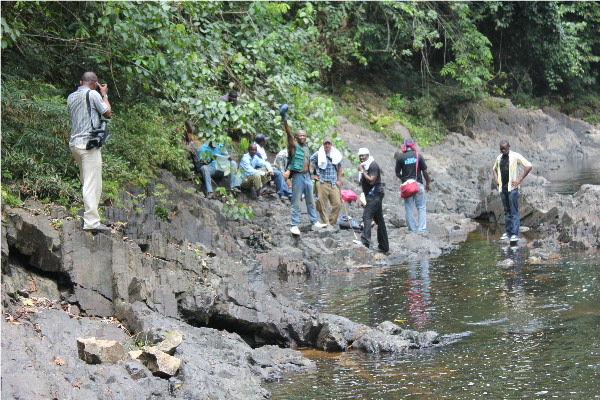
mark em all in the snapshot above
pixel 282 188
pixel 256 172
pixel 226 166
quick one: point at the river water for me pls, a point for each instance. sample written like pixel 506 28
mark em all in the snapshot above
pixel 534 329
pixel 568 178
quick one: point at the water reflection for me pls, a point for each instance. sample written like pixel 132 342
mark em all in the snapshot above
pixel 417 293
pixel 535 327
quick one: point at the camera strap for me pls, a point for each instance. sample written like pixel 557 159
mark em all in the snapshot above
pixel 89 107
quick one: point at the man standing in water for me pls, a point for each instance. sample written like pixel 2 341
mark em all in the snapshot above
pixel 301 182
pixel 505 176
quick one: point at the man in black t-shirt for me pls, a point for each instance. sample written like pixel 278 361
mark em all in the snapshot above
pixel 406 168
pixel 370 180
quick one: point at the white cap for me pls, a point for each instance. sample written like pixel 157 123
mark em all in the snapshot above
pixel 363 151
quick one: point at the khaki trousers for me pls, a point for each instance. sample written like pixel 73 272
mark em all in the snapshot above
pixel 90 174
pixel 327 193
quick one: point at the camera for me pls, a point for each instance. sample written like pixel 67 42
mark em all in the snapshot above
pixel 99 135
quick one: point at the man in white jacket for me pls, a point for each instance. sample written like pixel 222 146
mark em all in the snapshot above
pixel 327 164
pixel 505 176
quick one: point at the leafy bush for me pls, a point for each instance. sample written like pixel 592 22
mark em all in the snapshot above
pixel 234 210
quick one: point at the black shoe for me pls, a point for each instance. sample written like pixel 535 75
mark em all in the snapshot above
pixel 99 228
pixel 380 250
pixel 253 194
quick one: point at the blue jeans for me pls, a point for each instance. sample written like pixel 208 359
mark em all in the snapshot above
pixel 510 201
pixel 210 171
pixel 302 184
pixel 282 187
pixel 409 205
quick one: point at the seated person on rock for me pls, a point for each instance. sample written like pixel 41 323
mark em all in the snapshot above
pixel 281 164
pixel 256 172
pixel 218 165
pixel 283 190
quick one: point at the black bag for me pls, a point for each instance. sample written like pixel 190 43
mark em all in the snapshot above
pixel 100 134
pixel 348 223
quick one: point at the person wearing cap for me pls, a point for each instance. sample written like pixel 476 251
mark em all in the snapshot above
pixel 298 154
pixel 406 168
pixel 327 164
pixel 219 164
pixel 370 180
pixel 281 187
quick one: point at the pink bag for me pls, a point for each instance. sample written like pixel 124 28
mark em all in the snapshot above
pixel 410 187
pixel 348 196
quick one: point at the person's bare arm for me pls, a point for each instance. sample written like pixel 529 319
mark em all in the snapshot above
pixel 291 145
pixel 426 176
pixel 368 178
pixel 519 180
pixel 104 93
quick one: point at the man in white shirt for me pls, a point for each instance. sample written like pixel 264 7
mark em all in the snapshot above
pixel 86 105
pixel 283 191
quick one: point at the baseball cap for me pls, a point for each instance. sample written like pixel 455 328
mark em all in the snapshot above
pixel 260 137
pixel 363 151
pixel 327 140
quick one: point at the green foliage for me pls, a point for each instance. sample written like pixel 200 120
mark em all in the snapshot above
pixel 232 209
pixel 162 213
pixel 473 59
pixel 549 46
pixel 10 199
pixel 35 130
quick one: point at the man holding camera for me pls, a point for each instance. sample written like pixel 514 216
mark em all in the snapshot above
pixel 86 105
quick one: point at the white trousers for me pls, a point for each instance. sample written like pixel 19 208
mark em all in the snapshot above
pixel 90 174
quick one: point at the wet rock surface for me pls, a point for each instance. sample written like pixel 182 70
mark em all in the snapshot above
pixel 195 273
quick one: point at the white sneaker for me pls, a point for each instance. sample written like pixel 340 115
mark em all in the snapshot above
pixel 514 238
pixel 295 230
pixel 504 236
pixel 318 225
pixel 357 242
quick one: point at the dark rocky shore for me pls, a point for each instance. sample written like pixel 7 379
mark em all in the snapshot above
pixel 199 278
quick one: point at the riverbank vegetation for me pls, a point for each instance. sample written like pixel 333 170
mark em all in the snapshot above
pixel 166 62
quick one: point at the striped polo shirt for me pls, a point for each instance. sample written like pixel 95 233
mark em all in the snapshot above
pixel 81 123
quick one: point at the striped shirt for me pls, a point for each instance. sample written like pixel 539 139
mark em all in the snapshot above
pixel 327 174
pixel 81 123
